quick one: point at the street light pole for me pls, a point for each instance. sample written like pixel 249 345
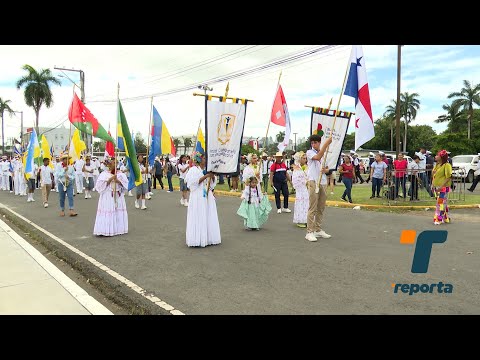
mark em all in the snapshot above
pixel 86 136
pixel 295 147
pixel 397 122
pixel 21 126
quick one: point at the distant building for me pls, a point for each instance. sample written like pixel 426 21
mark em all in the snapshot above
pixel 58 137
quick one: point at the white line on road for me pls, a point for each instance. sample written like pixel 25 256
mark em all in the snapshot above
pixel 88 302
pixel 99 265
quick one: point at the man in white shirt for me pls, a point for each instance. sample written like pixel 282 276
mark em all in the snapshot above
pixel 318 200
pixel 46 180
pixel 31 183
pixel 78 166
pixel 17 164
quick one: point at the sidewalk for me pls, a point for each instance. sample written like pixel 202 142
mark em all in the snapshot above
pixel 32 285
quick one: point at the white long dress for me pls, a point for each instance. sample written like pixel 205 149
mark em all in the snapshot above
pixel 250 171
pixel 202 220
pixel 299 181
pixel 111 221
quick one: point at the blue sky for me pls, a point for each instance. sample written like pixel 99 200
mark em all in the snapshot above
pixel 433 71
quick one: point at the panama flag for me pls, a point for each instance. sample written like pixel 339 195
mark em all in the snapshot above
pixel 280 116
pixel 357 87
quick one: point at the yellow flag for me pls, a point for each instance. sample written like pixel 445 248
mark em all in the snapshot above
pixel 46 150
pixel 76 146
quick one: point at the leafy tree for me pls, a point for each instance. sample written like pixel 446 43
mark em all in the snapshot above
pixel 409 104
pixel 465 99
pixel 37 89
pixel 176 142
pixel 4 107
pixel 421 135
pixel 453 117
pixel 140 146
pixel 391 115
pixel 456 143
pixel 247 149
pixel 349 142
pixel 303 146
pixel 280 136
pixel 99 145
pixel 188 143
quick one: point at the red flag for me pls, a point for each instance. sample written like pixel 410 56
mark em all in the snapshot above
pixel 109 148
pixel 83 120
pixel 278 110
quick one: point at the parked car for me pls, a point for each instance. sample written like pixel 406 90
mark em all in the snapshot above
pixel 464 166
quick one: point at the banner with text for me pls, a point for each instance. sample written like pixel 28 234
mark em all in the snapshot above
pixel 321 124
pixel 224 131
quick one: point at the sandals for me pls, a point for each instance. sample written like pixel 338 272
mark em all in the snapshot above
pixel 73 214
pixel 62 213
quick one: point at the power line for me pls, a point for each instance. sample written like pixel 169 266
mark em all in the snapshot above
pixel 242 73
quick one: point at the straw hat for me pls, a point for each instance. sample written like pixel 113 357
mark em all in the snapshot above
pixel 278 154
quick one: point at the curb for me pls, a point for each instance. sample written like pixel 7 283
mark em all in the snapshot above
pixel 334 203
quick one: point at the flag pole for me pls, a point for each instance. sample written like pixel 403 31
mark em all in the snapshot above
pixel 333 125
pixel 225 99
pixel 115 147
pixel 149 133
pixel 270 120
pixel 196 136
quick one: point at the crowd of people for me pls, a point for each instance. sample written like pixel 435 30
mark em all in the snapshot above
pixel 305 172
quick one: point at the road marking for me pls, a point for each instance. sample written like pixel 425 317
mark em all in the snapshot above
pixel 117 276
pixel 88 302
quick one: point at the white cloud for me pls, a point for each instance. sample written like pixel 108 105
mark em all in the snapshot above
pixel 143 70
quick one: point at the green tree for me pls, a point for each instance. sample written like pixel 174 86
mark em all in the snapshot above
pixel 99 145
pixel 176 142
pixel 381 141
pixel 280 136
pixel 188 143
pixel 465 99
pixel 457 143
pixel 247 149
pixel 421 135
pixel 409 104
pixel 391 115
pixel 140 146
pixel 37 89
pixel 349 142
pixel 4 107
pixel 454 118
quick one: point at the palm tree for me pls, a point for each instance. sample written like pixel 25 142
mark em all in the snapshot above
pixel 391 115
pixel 187 142
pixel 466 98
pixel 37 89
pixel 453 116
pixel 4 107
pixel 408 109
pixel 176 142
pixel 280 136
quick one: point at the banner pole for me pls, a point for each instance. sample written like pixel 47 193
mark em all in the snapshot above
pixel 270 120
pixel 333 125
pixel 115 147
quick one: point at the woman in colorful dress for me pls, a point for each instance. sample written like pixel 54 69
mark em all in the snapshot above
pixel 299 182
pixel 441 186
pixel 203 227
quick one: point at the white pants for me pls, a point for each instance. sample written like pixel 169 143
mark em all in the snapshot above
pixel 79 182
pixel 95 177
pixel 17 179
pixel 5 182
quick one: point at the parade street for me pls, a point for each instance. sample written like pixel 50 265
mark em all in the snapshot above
pixel 274 270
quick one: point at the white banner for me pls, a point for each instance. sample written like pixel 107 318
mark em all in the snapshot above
pixel 224 131
pixel 322 123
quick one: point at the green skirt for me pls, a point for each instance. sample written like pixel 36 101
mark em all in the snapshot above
pixel 254 216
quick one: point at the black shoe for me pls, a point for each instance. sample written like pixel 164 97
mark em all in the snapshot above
pixel 350 201
pixel 344 199
pixel 372 197
pixel 470 190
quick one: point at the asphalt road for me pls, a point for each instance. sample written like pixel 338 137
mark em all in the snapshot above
pixel 275 270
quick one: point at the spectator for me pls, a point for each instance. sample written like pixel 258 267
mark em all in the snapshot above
pixel 378 173
pixel 400 166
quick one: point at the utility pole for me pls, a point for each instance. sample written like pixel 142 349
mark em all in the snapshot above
pixel 21 126
pixel 397 122
pixel 86 137
pixel 295 147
